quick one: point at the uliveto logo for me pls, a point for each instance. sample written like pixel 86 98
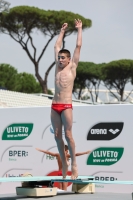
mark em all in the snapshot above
pixel 105 131
pixel 17 131
pixel 105 156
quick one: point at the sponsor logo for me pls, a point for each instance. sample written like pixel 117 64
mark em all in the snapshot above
pixel 18 153
pixel 114 131
pixel 17 131
pixel 105 178
pixel 12 175
pixel 49 157
pixel 99 186
pixel 105 131
pixel 67 106
pixel 105 156
pixel 13 155
pixel 16 172
pixel 48 190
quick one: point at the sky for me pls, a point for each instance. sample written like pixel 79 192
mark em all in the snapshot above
pixel 109 38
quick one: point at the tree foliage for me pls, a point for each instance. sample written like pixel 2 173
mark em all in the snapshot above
pixel 22 21
pixel 10 79
pixel 27 83
pixel 88 76
pixel 80 79
pixel 8 76
pixel 93 80
pixel 116 75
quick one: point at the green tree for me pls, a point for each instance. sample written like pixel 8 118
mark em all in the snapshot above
pixel 11 80
pixel 116 75
pixel 22 21
pixel 27 83
pixel 88 76
pixel 93 80
pixel 8 76
pixel 79 82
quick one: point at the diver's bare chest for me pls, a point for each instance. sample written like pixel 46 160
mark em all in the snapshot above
pixel 63 77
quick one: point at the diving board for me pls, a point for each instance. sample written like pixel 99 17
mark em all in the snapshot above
pixel 45 178
pixel 83 179
pixel 110 182
pixel 43 185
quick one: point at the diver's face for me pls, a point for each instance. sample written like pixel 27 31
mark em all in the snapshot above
pixel 63 60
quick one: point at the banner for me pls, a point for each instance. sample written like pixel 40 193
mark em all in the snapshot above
pixel 105 130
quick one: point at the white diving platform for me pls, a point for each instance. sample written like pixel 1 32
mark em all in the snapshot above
pixel 43 185
pixel 84 179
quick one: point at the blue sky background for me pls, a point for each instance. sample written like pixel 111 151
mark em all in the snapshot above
pixel 109 38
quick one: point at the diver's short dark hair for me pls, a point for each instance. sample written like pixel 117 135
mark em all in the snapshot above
pixel 66 147
pixel 67 52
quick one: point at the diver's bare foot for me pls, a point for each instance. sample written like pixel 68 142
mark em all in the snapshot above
pixel 64 170
pixel 74 170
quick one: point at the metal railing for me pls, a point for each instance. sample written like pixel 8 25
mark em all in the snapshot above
pixel 104 97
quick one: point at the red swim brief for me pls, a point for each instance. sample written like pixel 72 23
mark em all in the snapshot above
pixel 60 107
pixel 59 173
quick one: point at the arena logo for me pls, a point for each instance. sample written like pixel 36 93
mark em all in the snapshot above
pixel 17 131
pixel 105 131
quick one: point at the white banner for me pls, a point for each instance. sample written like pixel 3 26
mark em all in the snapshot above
pixel 106 130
